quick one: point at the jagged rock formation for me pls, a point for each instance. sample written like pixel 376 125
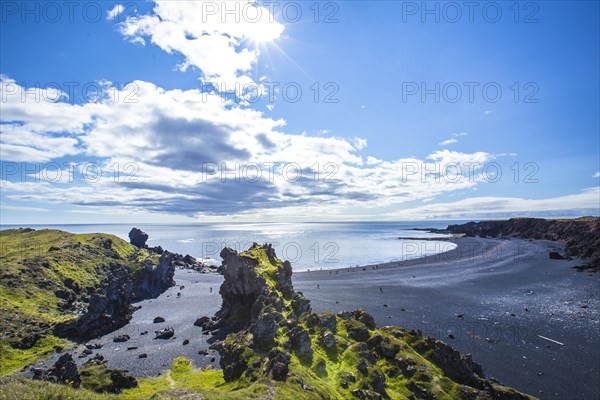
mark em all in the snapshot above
pixel 109 307
pixel 581 236
pixel 277 337
pixel 153 280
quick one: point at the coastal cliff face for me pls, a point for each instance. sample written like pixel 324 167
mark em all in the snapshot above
pixel 55 284
pixel 155 279
pixel 110 306
pixel 580 236
pixel 276 338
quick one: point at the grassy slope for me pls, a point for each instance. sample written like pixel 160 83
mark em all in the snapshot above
pixel 34 265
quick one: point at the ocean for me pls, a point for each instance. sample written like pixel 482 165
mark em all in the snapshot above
pixel 308 246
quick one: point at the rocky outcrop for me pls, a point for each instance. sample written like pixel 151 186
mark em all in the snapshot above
pixel 241 287
pixel 64 371
pixel 155 279
pixel 110 305
pixel 275 335
pixel 109 308
pixel 138 238
pixel 581 236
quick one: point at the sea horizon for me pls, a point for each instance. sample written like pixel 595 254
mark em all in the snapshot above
pixel 307 245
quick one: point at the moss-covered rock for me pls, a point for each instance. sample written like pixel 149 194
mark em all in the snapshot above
pixel 329 356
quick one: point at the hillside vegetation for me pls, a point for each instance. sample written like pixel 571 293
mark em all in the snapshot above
pixel 47 278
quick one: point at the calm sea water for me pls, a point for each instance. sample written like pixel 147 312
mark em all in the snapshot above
pixel 306 245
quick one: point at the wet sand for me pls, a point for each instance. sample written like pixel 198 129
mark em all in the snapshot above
pixel 495 297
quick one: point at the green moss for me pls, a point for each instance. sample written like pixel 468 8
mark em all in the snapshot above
pixel 35 265
pixel 13 359
pixel 95 377
pixel 267 267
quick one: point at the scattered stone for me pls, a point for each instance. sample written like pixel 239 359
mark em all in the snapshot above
pixel 121 338
pixel 132 347
pixel 327 321
pixel 143 355
pixel 166 333
pixel 143 333
pixel 158 320
pixel 205 323
pixel 344 315
pixel 451 336
pixel 186 342
pixel 555 255
pixel 203 352
pixel 357 330
pixel 85 353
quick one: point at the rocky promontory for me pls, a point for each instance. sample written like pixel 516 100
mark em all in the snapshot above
pixel 274 336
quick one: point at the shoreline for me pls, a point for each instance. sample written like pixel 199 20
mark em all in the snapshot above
pixel 519 313
pixel 497 299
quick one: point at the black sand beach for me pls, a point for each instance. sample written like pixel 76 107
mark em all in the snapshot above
pixel 531 322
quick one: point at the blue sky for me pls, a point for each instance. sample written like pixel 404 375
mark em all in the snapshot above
pixel 366 128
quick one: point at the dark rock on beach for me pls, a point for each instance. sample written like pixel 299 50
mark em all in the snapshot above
pixel 166 333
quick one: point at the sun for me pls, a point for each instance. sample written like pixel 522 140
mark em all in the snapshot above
pixel 264 32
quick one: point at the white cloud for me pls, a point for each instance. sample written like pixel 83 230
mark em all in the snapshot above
pixel 447 142
pixel 453 139
pixel 488 112
pixel 597 175
pixel 219 38
pixel 169 136
pixel 585 202
pixel 20 208
pixel 116 10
